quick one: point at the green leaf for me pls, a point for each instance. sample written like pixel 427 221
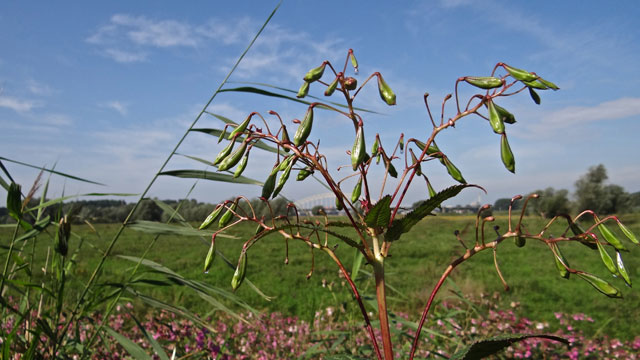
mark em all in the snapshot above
pixel 208 175
pixel 154 343
pixel 380 213
pixel 159 228
pixel 132 348
pixel 483 348
pixel 51 171
pixel 357 263
pixel 401 226
pixel 63 198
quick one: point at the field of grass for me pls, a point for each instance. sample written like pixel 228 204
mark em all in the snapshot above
pixel 416 263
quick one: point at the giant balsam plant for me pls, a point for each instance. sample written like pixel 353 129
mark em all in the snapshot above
pixel 374 215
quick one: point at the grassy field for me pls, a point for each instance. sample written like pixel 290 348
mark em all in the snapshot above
pixel 417 262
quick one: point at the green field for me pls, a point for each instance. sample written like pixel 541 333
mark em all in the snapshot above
pixel 416 263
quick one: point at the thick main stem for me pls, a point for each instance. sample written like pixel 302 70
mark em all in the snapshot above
pixel 378 267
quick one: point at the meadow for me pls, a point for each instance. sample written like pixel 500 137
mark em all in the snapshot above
pixel 422 255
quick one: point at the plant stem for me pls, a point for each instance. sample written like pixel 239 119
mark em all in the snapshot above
pixel 378 267
pixel 6 263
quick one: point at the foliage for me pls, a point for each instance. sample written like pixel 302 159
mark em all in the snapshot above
pixel 592 193
pixel 551 203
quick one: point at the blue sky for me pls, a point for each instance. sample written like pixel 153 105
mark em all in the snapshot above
pixel 104 90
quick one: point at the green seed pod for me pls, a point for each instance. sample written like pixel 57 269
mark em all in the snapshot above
pixel 240 128
pixel 285 137
pixel 536 84
pixel 358 151
pixel 14 201
pixel 350 83
pixel 374 148
pixel 622 270
pixel 549 84
pixel 507 156
pixel 241 166
pixel 401 143
pixel 628 233
pixel 338 205
pixel 212 217
pixel 315 73
pixel 520 74
pixel 392 170
pixel 304 90
pixel 561 261
pixel 432 192
pixel 433 149
pixel 331 88
pixel 62 236
pixel 355 194
pixel 606 259
pixel 222 135
pixel 495 119
pixel 576 229
pixel 484 82
pixel 304 173
pixel 231 160
pixel 354 62
pixel 208 261
pixel 520 241
pixel 224 153
pixel 259 229
pixel 269 184
pixel 453 170
pixel 283 179
pixel 534 96
pixel 504 114
pixel 304 129
pixel 239 274
pixel 227 216
pixel 610 237
pixel 385 91
pixel 415 161
pixel 600 285
pixel 285 163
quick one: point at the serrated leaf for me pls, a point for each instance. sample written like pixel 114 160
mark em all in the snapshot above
pixel 483 348
pixel 401 226
pixel 208 175
pixel 380 213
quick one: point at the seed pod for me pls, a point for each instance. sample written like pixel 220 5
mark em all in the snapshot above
pixel 392 170
pixel 576 229
pixel 259 229
pixel 536 84
pixel 520 74
pixel 358 151
pixel 507 156
pixel 401 143
pixel 331 88
pixel 504 114
pixel 14 202
pixel 610 238
pixel 600 285
pixel 212 217
pixel 231 160
pixel 208 261
pixel 269 184
pixel 374 148
pixel 315 73
pixel 484 82
pixel 285 137
pixel 240 128
pixel 354 62
pixel 304 173
pixel 622 270
pixel 628 233
pixel 385 91
pixel 224 153
pixel 222 135
pixel 520 241
pixel 241 166
pixel 350 83
pixel 355 194
pixel 415 162
pixel 534 96
pixel 561 261
pixel 549 84
pixel 606 259
pixel 285 163
pixel 241 269
pixel 432 192
pixel 495 119
pixel 433 149
pixel 304 90
pixel 304 129
pixel 283 179
pixel 453 170
pixel 62 236
pixel 338 205
pixel 227 216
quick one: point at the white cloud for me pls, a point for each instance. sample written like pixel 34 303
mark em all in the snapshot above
pixel 125 56
pixel 118 106
pixel 38 88
pixel 55 119
pixel 18 105
pixel 163 33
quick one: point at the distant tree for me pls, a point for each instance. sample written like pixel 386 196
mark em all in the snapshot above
pixel 551 202
pixel 316 210
pixel 635 201
pixel 592 193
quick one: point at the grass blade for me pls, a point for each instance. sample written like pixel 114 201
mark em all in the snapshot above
pixel 132 348
pixel 50 171
pixel 154 227
pixel 208 175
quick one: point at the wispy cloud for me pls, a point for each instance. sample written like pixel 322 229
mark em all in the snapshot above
pixel 38 88
pixel 122 56
pixel 18 105
pixel 118 106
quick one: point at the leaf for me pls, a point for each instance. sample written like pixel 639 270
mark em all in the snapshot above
pixel 208 175
pixel 401 226
pixel 63 198
pixel 159 228
pixel 483 348
pixel 357 263
pixel 132 348
pixel 154 343
pixel 380 213
pixel 51 171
